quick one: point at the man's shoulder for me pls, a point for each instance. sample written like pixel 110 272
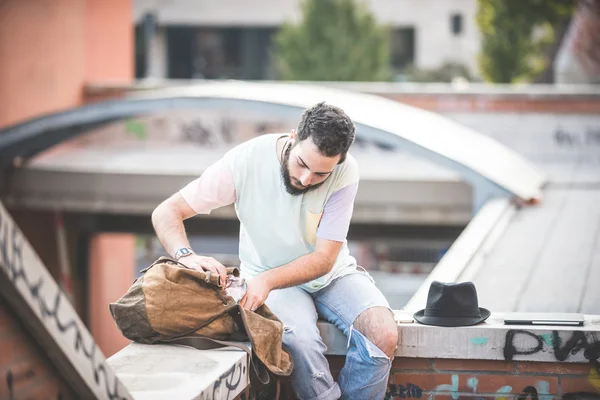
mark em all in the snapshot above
pixel 351 162
pixel 349 166
pixel 346 173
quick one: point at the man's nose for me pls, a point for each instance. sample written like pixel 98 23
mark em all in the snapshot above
pixel 305 178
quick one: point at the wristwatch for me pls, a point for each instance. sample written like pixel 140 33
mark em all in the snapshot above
pixel 183 252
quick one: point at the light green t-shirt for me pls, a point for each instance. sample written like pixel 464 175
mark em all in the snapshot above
pixel 276 227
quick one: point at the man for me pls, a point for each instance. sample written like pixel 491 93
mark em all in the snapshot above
pixel 294 196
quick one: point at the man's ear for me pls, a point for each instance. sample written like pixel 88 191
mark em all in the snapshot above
pixel 293 136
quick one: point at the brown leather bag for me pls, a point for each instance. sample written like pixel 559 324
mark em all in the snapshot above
pixel 171 303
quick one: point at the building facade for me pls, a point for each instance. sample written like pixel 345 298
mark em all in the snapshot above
pixel 183 39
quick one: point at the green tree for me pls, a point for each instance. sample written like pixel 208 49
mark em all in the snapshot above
pixel 337 40
pixel 520 37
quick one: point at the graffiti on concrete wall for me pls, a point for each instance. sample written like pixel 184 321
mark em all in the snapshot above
pixel 40 291
pixel 588 137
pixel 207 129
pixel 229 384
pixel 540 137
pixel 568 343
pixel 201 133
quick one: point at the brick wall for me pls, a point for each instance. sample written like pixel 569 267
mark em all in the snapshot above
pixel 451 379
pixel 494 103
pixel 26 372
pixel 482 379
pixel 433 97
pixel 51 49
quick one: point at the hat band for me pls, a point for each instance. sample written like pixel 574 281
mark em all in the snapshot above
pixel 438 312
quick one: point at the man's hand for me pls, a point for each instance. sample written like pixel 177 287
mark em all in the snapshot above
pixel 201 263
pixel 257 291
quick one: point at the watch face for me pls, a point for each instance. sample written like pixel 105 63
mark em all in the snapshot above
pixel 183 252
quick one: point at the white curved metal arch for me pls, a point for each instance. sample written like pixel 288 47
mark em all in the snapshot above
pixel 490 166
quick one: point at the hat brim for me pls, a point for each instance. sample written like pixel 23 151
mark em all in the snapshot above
pixel 451 321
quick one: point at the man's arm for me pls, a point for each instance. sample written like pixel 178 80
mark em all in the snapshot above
pixel 303 269
pixel 306 268
pixel 167 220
pixel 213 189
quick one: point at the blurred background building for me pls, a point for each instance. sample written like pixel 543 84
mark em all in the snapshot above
pixel 437 55
pixel 233 39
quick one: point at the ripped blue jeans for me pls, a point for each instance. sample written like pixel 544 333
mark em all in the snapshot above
pixel 365 373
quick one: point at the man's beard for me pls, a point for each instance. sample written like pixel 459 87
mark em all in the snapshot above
pixel 287 179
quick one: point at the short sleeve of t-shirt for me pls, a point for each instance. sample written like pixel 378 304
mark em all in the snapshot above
pixel 338 209
pixel 213 189
pixel 337 214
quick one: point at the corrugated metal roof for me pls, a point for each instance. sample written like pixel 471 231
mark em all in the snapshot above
pixel 548 259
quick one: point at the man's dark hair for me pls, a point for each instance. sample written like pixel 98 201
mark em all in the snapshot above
pixel 331 130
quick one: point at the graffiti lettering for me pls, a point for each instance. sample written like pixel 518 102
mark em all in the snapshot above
pixel 409 391
pixel 11 378
pixel 197 132
pixel 205 134
pixel 11 254
pixel 539 391
pixel 231 379
pixel 577 341
pixel 529 393
pixel 541 387
pixel 509 347
pixel 591 137
pixel 225 386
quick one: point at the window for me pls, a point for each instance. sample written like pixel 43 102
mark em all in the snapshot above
pixel 456 24
pixel 402 52
pixel 219 53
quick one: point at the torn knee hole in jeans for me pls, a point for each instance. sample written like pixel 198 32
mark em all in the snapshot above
pixel 372 349
pixel 287 329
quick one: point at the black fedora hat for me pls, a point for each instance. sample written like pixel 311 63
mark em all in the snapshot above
pixel 452 304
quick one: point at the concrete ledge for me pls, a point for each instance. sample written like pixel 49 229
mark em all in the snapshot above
pixel 177 372
pixel 490 340
pixel 153 372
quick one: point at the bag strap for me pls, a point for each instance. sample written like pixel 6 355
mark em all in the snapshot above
pixel 204 343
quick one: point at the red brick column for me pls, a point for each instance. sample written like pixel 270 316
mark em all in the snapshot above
pixel 111 272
